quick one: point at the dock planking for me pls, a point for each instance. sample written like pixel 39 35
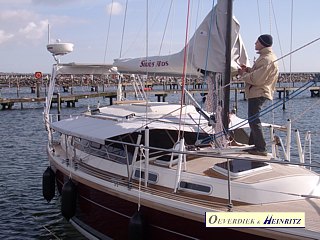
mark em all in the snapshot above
pixel 71 99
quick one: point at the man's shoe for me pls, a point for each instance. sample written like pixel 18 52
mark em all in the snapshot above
pixel 249 149
pixel 256 152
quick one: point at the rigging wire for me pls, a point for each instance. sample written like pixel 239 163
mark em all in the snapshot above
pixel 133 44
pixel 195 40
pixel 187 46
pixel 147 34
pixel 107 39
pixel 278 36
pixel 147 56
pixel 209 100
pixel 210 83
pixel 305 110
pixel 270 30
pixel 184 68
pixel 259 16
pixel 298 49
pixel 140 175
pixel 195 30
pixel 291 38
pixel 277 30
pixel 172 27
pixel 291 46
pixel 123 28
pixel 165 27
pixel 270 18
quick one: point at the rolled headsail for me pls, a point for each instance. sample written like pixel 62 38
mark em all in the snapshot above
pixel 201 55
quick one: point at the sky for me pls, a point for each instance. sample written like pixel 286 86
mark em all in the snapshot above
pixel 97 30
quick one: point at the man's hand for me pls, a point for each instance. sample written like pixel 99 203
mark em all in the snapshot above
pixel 242 70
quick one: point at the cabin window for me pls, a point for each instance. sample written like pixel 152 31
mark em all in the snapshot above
pixel 113 152
pixel 194 187
pixel 239 168
pixel 76 140
pixel 95 145
pixel 153 177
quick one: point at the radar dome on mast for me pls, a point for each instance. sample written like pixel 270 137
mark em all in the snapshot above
pixel 59 48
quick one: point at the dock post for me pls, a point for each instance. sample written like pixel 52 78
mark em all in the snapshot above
pixel 204 96
pixel 158 97
pixel 111 98
pixel 284 99
pixel 38 89
pixel 164 97
pixel 65 88
pixel 33 89
pixel 315 93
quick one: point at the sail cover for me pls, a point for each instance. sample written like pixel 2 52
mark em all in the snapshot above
pixel 206 50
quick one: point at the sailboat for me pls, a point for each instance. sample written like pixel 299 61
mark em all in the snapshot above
pixel 155 170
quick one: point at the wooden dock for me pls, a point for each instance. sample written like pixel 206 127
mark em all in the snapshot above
pixel 161 94
pixel 70 100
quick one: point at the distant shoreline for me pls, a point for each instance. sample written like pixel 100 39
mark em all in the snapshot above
pixel 29 80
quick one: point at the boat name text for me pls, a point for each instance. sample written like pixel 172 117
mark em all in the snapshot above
pixel 145 63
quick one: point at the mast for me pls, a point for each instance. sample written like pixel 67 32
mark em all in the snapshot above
pixel 225 117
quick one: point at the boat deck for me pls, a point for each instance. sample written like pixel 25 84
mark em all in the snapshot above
pixel 203 166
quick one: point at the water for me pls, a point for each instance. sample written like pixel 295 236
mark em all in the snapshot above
pixel 24 212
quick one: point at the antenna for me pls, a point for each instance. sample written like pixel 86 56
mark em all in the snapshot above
pixel 48 33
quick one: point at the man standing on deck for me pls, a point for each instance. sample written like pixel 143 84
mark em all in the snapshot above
pixel 260 83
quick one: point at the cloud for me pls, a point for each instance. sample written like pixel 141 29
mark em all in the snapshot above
pixel 34 30
pixel 52 3
pixel 5 36
pixel 29 26
pixel 15 2
pixel 22 25
pixel 114 8
pixel 15 15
